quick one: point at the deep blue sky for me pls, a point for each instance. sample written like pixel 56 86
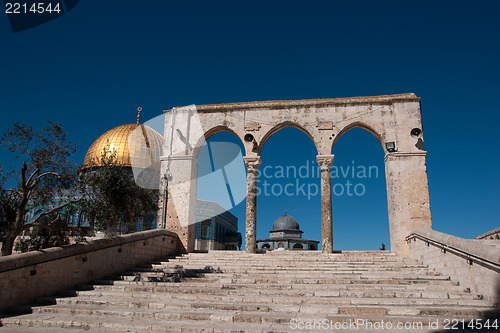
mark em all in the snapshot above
pixel 91 68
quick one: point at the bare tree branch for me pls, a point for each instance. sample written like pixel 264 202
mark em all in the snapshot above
pixel 37 180
pixel 50 211
pixel 23 175
pixel 32 176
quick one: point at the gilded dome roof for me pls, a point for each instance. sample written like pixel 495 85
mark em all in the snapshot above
pixel 286 222
pixel 135 145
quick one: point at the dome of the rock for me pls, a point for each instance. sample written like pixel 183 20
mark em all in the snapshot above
pixel 134 145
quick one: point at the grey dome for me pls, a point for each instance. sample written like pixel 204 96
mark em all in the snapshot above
pixel 286 222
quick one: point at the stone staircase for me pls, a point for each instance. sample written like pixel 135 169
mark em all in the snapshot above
pixel 231 291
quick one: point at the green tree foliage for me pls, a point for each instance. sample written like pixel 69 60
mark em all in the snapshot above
pixel 45 175
pixel 112 200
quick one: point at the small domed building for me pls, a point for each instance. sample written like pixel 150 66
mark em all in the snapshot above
pixel 286 234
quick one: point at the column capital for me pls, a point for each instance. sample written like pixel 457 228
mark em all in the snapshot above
pixel 325 161
pixel 252 162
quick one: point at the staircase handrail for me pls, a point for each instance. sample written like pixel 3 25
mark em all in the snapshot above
pixel 469 249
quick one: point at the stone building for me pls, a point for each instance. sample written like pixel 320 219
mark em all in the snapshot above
pixel 137 149
pixel 490 235
pixel 286 234
pixel 216 228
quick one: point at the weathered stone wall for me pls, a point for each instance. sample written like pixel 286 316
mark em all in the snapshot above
pixel 470 262
pixel 24 277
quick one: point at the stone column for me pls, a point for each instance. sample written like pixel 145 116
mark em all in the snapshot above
pixel 407 197
pixel 252 164
pixel 325 163
pixel 178 205
pixel 179 167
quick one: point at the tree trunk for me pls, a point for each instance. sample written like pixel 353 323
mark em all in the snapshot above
pixel 8 245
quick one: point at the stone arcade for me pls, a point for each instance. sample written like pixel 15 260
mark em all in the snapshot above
pixel 395 120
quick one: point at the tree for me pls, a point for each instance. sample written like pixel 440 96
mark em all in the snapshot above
pixel 46 175
pixel 111 199
pixel 104 192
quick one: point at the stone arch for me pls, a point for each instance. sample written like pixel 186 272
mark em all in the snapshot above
pixel 279 127
pixel 364 126
pixel 212 131
pixel 360 152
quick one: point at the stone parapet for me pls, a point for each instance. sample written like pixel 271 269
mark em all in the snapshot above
pixel 308 102
pixel 27 276
pixel 470 262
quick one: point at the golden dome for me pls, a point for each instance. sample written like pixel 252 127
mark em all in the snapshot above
pixel 135 145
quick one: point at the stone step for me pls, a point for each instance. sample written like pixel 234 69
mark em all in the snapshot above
pixel 323 292
pixel 187 322
pixel 448 288
pixel 296 261
pixel 284 266
pixel 40 322
pixel 131 286
pixel 259 278
pixel 291 266
pixel 310 254
pixel 285 272
pixel 278 278
pixel 293 254
pixel 227 253
pixel 298 274
pixel 351 280
pixel 331 281
pixel 16 328
pixel 164 300
pixel 160 286
pixel 203 311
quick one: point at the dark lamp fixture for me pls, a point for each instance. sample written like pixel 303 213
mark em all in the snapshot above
pixel 390 146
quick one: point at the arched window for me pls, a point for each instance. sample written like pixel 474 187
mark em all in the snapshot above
pixel 298 246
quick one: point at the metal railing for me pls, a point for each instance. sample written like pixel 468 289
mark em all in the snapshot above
pixel 460 252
